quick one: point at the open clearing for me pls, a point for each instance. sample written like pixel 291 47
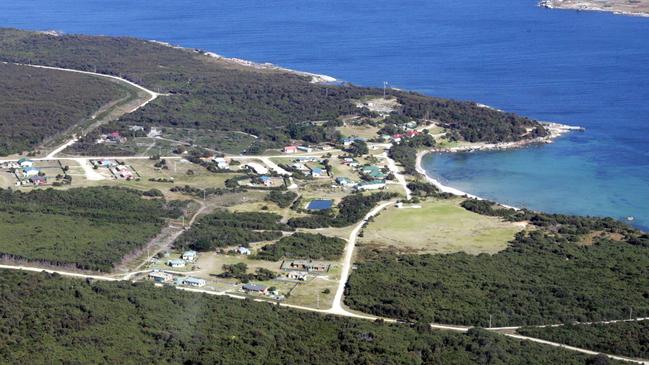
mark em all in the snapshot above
pixel 439 226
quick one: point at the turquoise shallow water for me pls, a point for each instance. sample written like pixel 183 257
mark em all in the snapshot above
pixel 581 68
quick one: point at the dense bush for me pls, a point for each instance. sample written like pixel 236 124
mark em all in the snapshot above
pixel 544 276
pixel 38 104
pixel 90 228
pixel 621 338
pixel 221 95
pixel 303 246
pixel 50 319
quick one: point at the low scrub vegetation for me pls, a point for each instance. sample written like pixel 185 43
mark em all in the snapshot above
pixel 222 229
pixel 303 246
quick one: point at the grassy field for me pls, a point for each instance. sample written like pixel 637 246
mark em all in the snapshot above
pixel 439 226
pixel 364 131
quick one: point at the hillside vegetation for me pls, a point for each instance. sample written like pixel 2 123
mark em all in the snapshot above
pixel 38 103
pixel 49 319
pixel 566 269
pixel 88 228
pixel 218 94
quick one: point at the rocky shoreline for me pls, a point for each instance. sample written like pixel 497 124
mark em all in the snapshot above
pixel 611 6
pixel 555 130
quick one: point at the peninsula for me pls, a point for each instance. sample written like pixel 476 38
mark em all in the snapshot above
pixel 176 206
pixel 623 7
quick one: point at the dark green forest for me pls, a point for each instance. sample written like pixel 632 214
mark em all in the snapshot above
pixel 621 338
pixel 223 228
pixel 216 94
pixel 303 246
pixel 88 228
pixel 48 319
pixel 565 269
pixel 37 103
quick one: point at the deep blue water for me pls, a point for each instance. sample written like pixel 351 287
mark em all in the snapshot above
pixel 589 69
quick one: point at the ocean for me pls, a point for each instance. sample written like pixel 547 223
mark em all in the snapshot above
pixel 582 68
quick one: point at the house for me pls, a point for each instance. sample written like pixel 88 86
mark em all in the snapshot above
pixel 257 168
pixel 107 163
pixel 243 250
pixel 190 256
pixel 317 172
pixel 23 162
pixel 305 265
pixel 397 137
pixel 289 149
pixel 349 140
pixel 38 180
pixel 299 166
pixel 176 263
pixel 160 276
pixel 266 180
pixel 305 149
pixel 373 172
pixel 306 159
pixel 343 181
pixel 136 128
pixel 412 133
pixel 221 163
pixel 412 124
pixel 297 275
pixel 254 288
pixel 30 171
pixel 371 185
pixel 190 281
pixel 386 137
pixel 115 137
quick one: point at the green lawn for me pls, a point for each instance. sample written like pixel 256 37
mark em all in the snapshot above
pixel 439 226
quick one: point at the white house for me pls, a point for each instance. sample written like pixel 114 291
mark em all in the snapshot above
pixel 297 275
pixel 190 256
pixel 176 263
pixel 257 168
pixel 221 163
pixel 23 162
pixel 243 251
pixel 190 281
pixel 371 185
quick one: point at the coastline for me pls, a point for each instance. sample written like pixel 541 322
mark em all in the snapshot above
pixel 555 130
pixel 588 6
pixel 447 189
pixel 315 78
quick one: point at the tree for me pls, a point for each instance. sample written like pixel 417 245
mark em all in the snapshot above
pixel 358 148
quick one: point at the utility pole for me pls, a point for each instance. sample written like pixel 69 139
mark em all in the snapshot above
pixel 204 194
pixel 490 321
pixel 630 313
